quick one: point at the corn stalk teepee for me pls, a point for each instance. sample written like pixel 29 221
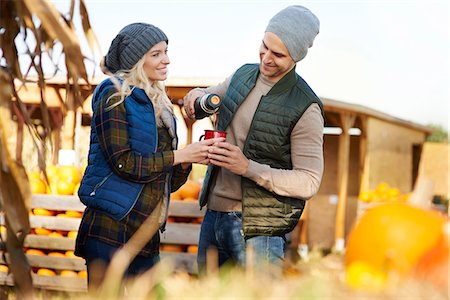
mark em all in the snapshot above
pixel 37 26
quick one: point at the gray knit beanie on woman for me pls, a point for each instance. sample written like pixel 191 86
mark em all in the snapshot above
pixel 130 45
pixel 297 27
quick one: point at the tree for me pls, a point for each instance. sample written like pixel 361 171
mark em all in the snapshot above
pixel 40 27
pixel 439 134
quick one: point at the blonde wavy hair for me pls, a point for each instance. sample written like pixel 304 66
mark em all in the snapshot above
pixel 136 77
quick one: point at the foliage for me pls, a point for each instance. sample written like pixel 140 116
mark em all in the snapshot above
pixel 40 28
pixel 439 134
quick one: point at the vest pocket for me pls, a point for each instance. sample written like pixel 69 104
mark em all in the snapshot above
pixel 98 185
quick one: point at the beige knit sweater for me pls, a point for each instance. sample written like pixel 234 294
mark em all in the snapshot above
pixel 301 182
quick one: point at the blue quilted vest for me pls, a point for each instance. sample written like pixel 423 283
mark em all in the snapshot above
pixel 100 188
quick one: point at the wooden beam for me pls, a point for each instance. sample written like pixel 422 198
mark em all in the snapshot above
pixel 347 120
pixel 363 159
pixel 69 123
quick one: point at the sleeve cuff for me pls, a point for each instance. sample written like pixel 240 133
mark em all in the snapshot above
pixel 255 170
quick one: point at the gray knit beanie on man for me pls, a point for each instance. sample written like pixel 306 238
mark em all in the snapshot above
pixel 130 45
pixel 297 27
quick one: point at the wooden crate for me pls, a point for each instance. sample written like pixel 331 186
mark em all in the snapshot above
pixel 177 233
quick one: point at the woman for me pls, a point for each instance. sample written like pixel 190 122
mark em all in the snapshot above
pixel 132 161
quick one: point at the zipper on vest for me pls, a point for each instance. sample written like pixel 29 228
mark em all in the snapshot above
pixel 100 184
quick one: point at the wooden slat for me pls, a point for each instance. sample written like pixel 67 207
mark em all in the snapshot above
pixel 46 242
pixel 51 262
pixel 180 208
pixel 177 208
pixel 176 233
pixel 57 283
pixel 54 223
pixel 181 233
pixel 57 202
pixel 182 261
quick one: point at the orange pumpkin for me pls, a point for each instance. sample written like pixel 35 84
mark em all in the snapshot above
pixel 68 273
pixel 190 189
pixel 433 267
pixel 4 268
pixel 176 195
pixel 393 236
pixel 34 252
pixel 43 212
pixel 46 272
pixel 42 231
pixel 192 249
pixel 37 186
pixel 172 248
pixel 56 254
pixel 82 274
pixel 69 174
pixel 64 187
pixel 70 254
pixel 74 214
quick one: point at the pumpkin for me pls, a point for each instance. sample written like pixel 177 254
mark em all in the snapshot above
pixel 433 266
pixel 190 189
pixel 392 237
pixel 46 272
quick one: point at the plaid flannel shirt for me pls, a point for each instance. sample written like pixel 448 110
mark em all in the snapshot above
pixel 113 138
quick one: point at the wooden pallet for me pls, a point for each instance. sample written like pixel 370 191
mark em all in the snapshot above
pixel 178 233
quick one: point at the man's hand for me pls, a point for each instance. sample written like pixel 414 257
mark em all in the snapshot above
pixel 188 102
pixel 228 156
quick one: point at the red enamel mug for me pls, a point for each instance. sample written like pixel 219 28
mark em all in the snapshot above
pixel 211 134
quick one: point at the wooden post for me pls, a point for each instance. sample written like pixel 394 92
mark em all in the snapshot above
pixel 19 133
pixel 57 118
pixel 303 237
pixel 69 123
pixel 346 121
pixel 363 163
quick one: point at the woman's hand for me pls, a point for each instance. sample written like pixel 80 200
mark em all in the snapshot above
pixel 196 152
pixel 188 102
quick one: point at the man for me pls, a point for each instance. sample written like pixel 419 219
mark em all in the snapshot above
pixel 272 161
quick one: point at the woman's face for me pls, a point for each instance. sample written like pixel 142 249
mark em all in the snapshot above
pixel 156 62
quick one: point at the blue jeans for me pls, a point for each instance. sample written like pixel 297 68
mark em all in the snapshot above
pixel 268 249
pixel 223 231
pixel 99 255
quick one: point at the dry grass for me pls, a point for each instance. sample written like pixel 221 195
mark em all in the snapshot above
pixel 319 278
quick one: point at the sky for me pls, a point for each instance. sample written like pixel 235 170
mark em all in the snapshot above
pixel 392 56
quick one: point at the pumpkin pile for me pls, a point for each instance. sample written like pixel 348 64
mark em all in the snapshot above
pixel 383 193
pixel 189 191
pixel 62 180
pixel 397 240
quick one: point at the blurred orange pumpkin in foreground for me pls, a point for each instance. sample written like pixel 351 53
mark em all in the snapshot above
pixel 393 237
pixel 433 267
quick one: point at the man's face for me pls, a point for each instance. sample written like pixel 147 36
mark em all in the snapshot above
pixel 275 61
